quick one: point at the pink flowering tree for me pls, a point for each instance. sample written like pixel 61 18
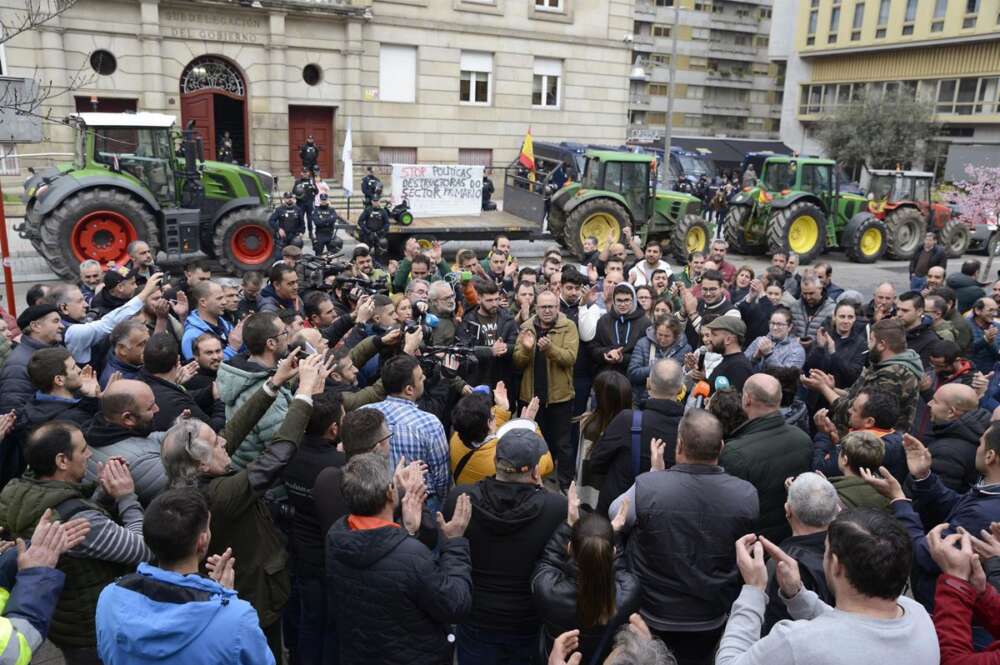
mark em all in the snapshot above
pixel 978 200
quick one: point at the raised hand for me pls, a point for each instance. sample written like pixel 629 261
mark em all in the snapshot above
pixel 500 399
pixel 459 520
pixel 825 425
pixel 952 553
pixel 393 337
pixel 116 479
pixel 499 347
pixel 564 649
pixel 787 570
pixel 152 286
pixel 187 372
pixel 884 483
pixel 618 523
pixel 572 504
pixel 530 412
pixel 413 508
pixel 750 560
pixel 222 568
pixel 987 545
pixel 7 422
pixel 657 449
pixel 236 336
pixel 918 458
pixel 181 306
pixel 312 374
pixel 526 339
pixel 288 367
pixel 89 386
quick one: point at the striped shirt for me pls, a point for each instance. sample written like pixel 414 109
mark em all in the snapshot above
pixel 417 435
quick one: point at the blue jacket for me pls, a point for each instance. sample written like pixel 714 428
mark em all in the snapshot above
pixel 641 362
pixel 935 503
pixel 197 622
pixel 195 326
pixel 983 354
pixel 991 399
pixel 115 365
pixel 33 594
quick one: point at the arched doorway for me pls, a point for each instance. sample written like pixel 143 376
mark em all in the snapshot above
pixel 214 95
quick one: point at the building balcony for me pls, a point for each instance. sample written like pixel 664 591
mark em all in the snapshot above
pixel 641 132
pixel 645 9
pixel 728 79
pixel 642 70
pixel 747 24
pixel 728 49
pixel 639 102
pixel 721 107
pixel 643 43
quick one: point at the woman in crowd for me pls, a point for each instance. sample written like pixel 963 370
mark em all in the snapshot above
pixel 741 285
pixel 663 340
pixel 581 583
pixel 613 394
pixel 644 298
pixel 662 307
pixel 841 351
pixel 759 304
pixel 404 310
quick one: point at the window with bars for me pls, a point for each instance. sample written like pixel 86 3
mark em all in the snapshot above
pixel 9 163
pixel 475 157
pixel 393 155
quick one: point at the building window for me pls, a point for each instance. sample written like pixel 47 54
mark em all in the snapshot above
pixel 813 21
pixel 397 73
pixel 664 3
pixel 696 92
pixel 549 5
pixel 656 118
pixel 762 41
pixel 660 59
pixel 545 91
pixel 657 89
pixel 697 64
pixel 700 34
pixel 909 17
pixel 858 21
pixel 988 89
pixel 397 155
pixel 9 163
pixel 661 30
pixel 103 62
pixel 940 11
pixel 883 18
pixel 971 11
pixel 475 157
pixel 3 52
pixel 834 25
pixel 477 72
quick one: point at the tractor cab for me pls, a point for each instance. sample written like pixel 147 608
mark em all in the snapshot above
pixel 143 149
pixel 903 199
pixel 627 174
pixel 896 186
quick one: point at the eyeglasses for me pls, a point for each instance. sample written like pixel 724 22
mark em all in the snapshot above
pixel 283 332
pixel 779 324
pixel 387 437
pixel 546 306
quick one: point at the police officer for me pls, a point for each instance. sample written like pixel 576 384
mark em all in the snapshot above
pixel 305 192
pixel 309 153
pixel 287 222
pixel 371 187
pixel 323 219
pixel 226 148
pixel 488 190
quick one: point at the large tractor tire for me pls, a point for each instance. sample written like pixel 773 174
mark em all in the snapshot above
pixel 97 224
pixel 799 228
pixel 244 241
pixel 906 233
pixel 557 224
pixel 692 234
pixel 864 239
pixel 604 219
pixel 734 230
pixel 955 237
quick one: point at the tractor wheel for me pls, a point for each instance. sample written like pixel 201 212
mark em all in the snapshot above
pixel 734 230
pixel 864 239
pixel 906 233
pixel 799 228
pixel 955 238
pixel 94 224
pixel 557 224
pixel 692 234
pixel 603 219
pixel 244 241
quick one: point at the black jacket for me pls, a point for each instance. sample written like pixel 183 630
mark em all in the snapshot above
pixel 35 412
pixel 173 399
pixel 808 552
pixel 203 379
pixel 15 386
pixel 920 340
pixel 938 258
pixel 612 454
pixel 479 333
pixel 847 362
pixel 735 367
pixel 765 451
pixel 967 290
pixel 615 331
pixel 554 588
pixel 681 546
pixel 393 599
pixel 511 524
pixel 953 449
pixel 306 541
pixel 757 316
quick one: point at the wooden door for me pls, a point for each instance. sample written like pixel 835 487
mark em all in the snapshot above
pixel 316 121
pixel 200 107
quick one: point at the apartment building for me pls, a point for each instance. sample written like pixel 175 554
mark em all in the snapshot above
pixel 725 84
pixel 447 81
pixel 944 51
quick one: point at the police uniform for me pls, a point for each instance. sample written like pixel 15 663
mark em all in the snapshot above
pixel 290 219
pixel 369 187
pixel 321 227
pixel 305 193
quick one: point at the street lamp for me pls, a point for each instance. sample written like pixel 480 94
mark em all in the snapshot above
pixel 668 130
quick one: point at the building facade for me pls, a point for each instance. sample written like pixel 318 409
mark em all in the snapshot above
pixel 944 51
pixel 434 81
pixel 725 84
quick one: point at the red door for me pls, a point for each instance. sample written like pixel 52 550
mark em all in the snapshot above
pixel 315 121
pixel 200 107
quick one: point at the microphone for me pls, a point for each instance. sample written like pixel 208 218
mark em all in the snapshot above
pixel 721 383
pixel 699 394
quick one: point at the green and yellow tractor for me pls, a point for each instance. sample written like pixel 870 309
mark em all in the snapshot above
pixel 796 207
pixel 129 181
pixel 618 191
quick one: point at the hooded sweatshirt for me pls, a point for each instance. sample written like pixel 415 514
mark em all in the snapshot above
pixel 159 616
pixel 270 301
pixel 619 330
pixel 238 379
pixel 510 526
pixel 953 449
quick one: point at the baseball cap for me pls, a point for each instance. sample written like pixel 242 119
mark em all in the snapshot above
pixel 116 276
pixel 34 313
pixel 519 450
pixel 729 324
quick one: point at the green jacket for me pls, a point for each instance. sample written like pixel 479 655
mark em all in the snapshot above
pixel 944 330
pixel 765 451
pixel 899 375
pixel 238 379
pixel 560 359
pixel 240 516
pixel 402 276
pixel 360 355
pixel 854 492
pixel 22 503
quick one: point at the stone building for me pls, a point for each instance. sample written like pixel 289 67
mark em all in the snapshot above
pixel 420 80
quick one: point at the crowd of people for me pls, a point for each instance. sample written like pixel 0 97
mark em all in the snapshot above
pixel 617 461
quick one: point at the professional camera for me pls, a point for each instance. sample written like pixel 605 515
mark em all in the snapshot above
pixel 432 360
pixel 361 287
pixel 313 270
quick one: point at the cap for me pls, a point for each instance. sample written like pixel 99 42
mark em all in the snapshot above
pixel 519 450
pixel 323 197
pixel 729 324
pixel 116 276
pixel 34 313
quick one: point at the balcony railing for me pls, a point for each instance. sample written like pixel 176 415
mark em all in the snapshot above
pixel 643 40
pixel 639 100
pixel 645 8
pixel 728 76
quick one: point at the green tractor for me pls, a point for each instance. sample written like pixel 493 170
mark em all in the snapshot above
pixel 796 207
pixel 128 181
pixel 618 190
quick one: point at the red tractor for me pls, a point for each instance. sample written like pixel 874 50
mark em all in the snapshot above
pixel 902 199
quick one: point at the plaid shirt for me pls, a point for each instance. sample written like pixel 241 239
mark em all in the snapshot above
pixel 417 435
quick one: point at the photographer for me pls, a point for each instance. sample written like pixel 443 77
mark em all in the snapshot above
pixel 441 302
pixel 492 332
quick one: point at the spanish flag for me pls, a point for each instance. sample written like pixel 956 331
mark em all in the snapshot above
pixel 527 156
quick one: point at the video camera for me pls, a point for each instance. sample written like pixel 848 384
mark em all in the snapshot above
pixel 314 270
pixel 361 287
pixel 432 361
